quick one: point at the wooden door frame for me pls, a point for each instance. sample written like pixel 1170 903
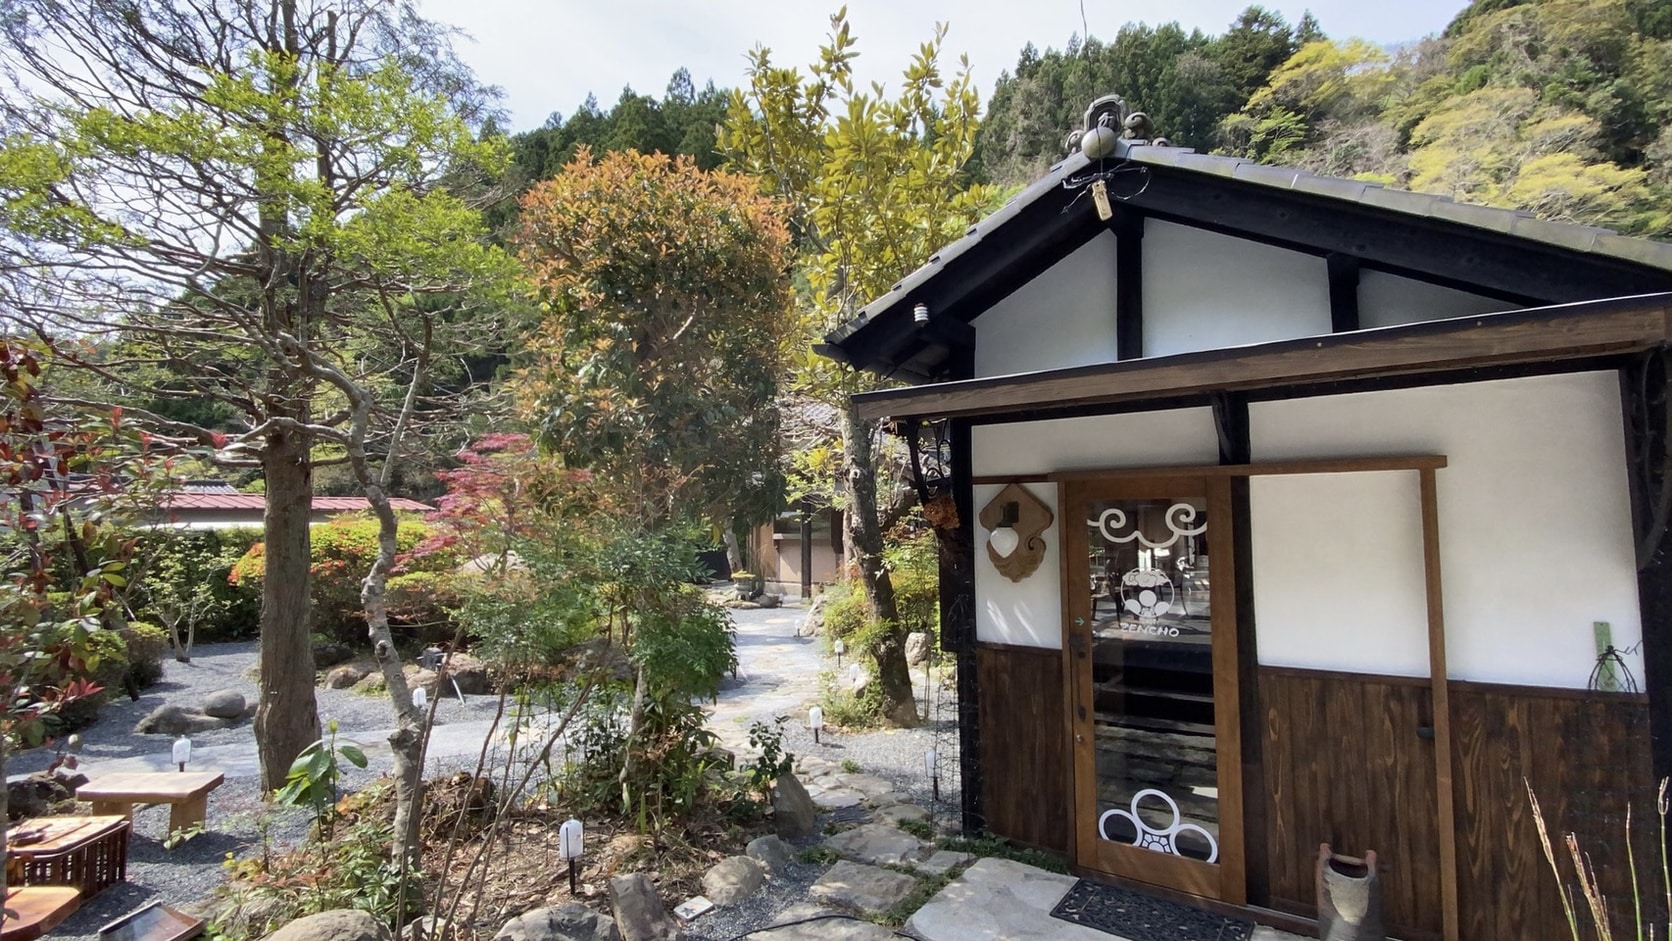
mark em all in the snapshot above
pixel 1224 880
pixel 1425 465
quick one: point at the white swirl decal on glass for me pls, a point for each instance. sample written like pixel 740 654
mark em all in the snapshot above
pixel 1179 517
pixel 1147 837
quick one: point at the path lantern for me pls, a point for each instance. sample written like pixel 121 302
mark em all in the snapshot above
pixel 420 698
pixel 182 751
pixel 570 837
pixel 815 721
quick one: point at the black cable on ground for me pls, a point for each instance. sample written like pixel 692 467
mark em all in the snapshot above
pixel 828 916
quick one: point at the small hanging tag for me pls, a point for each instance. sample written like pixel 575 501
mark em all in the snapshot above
pixel 1100 196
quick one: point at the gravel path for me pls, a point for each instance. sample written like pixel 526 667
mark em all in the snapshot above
pixel 778 675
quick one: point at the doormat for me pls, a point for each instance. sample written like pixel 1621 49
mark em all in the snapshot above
pixel 1138 917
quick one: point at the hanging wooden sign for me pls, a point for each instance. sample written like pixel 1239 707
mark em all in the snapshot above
pixel 1015 521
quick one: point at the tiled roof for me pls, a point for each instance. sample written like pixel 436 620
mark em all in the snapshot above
pixel 257 502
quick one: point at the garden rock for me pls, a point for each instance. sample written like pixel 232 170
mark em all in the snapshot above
pixel 733 879
pixel 860 888
pixel 813 624
pixel 770 852
pixel 347 675
pixel 878 844
pixel 32 795
pixel 793 813
pixel 917 648
pixel 341 925
pixel 470 674
pixel 175 720
pixel 224 704
pixel 330 654
pixel 858 680
pixel 639 914
pixel 570 922
pixel 770 601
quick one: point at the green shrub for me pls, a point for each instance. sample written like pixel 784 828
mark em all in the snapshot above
pixel 147 645
pixel 343 550
pixel 185 577
pixel 914 569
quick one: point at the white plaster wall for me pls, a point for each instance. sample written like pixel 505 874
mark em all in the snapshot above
pixel 1065 317
pixel 1338 572
pixel 1139 439
pixel 1206 291
pixel 1029 612
pixel 1386 300
pixel 1535 529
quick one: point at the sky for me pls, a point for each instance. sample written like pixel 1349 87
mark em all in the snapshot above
pixel 546 55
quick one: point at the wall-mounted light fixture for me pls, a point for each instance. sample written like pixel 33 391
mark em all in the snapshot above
pixel 920 314
pixel 1015 520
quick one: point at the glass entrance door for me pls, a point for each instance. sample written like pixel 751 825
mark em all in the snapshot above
pixel 1152 661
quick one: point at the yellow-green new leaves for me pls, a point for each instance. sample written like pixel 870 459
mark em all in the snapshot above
pixel 876 184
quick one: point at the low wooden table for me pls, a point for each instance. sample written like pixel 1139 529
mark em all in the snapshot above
pixel 90 853
pixel 33 910
pixel 187 793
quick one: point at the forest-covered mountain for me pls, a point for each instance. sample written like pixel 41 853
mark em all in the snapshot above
pixel 1561 107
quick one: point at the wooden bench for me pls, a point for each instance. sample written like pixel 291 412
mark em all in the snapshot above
pixel 33 910
pixel 187 793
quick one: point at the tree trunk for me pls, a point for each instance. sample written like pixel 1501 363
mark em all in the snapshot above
pixel 864 531
pixel 287 718
pixel 407 741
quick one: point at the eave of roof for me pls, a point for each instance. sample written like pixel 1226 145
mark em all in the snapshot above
pixel 1027 221
pixel 1607 328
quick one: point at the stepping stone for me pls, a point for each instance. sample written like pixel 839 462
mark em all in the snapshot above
pixel 892 814
pixel 879 845
pixel 867 784
pixel 825 929
pixel 838 798
pixel 861 888
pixel 999 900
pixel 944 861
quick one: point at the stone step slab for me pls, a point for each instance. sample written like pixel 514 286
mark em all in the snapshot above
pixel 878 844
pixel 861 888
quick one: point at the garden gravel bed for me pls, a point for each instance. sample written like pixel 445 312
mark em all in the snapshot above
pixel 240 822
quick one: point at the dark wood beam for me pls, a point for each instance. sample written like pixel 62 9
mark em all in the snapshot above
pixel 1644 404
pixel 1432 249
pixel 1552 334
pixel 1128 227
pixel 1343 292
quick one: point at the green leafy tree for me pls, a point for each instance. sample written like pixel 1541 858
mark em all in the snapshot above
pixel 876 185
pixel 656 369
pixel 276 184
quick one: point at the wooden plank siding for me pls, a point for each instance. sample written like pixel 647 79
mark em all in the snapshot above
pixel 1585 756
pixel 1025 769
pixel 1345 765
